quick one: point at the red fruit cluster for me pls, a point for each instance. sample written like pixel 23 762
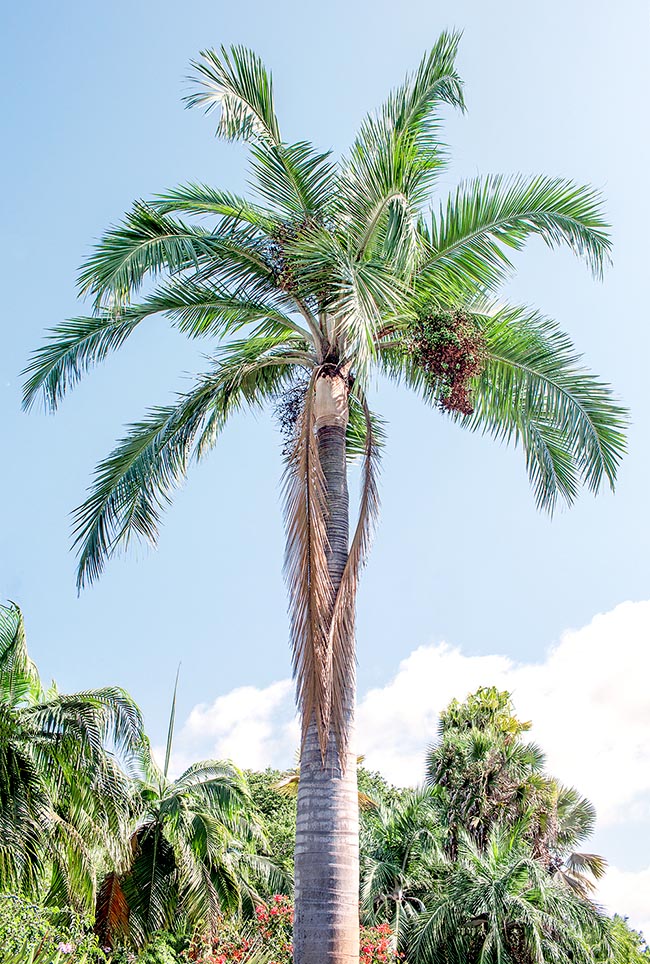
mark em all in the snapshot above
pixel 449 348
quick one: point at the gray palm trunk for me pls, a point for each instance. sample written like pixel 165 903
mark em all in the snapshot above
pixel 326 928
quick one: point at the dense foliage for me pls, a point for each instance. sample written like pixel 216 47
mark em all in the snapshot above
pixel 26 928
pixel 478 866
pixel 63 794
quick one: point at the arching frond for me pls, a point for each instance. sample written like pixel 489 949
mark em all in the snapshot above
pixel 208 309
pixel 534 392
pixel 132 485
pixel 294 179
pixel 14 658
pixel 70 350
pixel 92 719
pixel 220 785
pixel 396 157
pixel 202 199
pixel 291 177
pixel 146 243
pixel 237 82
pixel 487 216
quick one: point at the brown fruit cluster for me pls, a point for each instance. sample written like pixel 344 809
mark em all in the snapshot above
pixel 449 348
pixel 276 255
pixel 288 409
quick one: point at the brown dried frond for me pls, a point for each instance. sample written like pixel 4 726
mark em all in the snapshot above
pixel 449 348
pixel 311 595
pixel 343 619
pixel 112 911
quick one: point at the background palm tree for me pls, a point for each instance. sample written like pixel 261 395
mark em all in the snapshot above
pixel 399 844
pixel 334 272
pixel 487 776
pixel 63 795
pixel 195 852
pixel 497 905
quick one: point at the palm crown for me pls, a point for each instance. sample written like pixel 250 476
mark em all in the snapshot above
pixel 63 795
pixel 337 264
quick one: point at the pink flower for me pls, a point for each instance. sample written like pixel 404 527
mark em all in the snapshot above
pixel 65 948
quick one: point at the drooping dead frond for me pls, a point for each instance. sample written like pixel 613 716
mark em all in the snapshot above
pixel 311 596
pixel 341 633
pixel 112 911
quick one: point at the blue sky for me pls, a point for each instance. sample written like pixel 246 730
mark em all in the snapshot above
pixel 94 119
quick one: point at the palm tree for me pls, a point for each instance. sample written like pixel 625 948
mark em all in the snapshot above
pixel 398 844
pixel 334 271
pixel 562 820
pixel 484 771
pixel 194 852
pixel 498 906
pixel 487 776
pixel 63 795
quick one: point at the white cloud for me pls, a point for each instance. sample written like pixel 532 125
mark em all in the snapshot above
pixel 628 893
pixel 255 728
pixel 589 700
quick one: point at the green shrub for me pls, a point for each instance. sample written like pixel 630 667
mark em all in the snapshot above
pixel 32 934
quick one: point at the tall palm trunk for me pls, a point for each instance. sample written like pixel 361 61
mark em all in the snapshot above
pixel 326 928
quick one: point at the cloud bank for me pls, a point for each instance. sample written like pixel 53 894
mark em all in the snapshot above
pixel 589 700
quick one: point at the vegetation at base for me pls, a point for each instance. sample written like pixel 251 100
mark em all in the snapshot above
pixel 483 864
pixel 27 927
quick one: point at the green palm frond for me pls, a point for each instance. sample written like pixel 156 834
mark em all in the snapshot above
pixel 396 156
pixel 63 795
pixel 146 243
pixel 534 390
pixel 14 658
pixel 497 905
pixel 95 717
pixel 357 429
pixel 210 310
pixel 488 216
pixel 236 82
pixel 202 199
pixel 293 178
pixel 220 785
pixel 132 486
pixel 70 350
pixel 150 886
pixel 411 109
pixel 576 817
